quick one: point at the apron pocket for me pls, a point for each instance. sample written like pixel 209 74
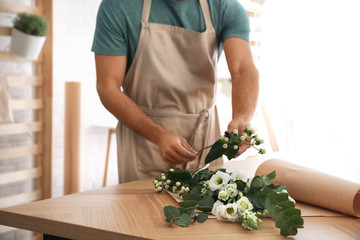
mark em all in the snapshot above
pixel 182 124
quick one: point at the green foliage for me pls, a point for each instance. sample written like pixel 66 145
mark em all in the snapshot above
pixel 31 24
pixel 216 151
pixel 229 144
pixel 182 216
pixel 281 209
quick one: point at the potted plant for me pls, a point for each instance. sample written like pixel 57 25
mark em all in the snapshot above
pixel 28 35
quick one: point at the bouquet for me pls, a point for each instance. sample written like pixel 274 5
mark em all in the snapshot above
pixel 230 196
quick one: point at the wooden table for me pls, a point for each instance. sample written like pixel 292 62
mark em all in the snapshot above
pixel 134 211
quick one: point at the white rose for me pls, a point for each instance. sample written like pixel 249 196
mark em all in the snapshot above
pixel 216 210
pixel 231 190
pixel 229 212
pixel 238 174
pixel 244 204
pixel 218 180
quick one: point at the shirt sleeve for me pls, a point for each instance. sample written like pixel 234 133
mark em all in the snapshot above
pixel 109 37
pixel 235 21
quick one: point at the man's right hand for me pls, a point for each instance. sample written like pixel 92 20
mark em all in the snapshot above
pixel 175 149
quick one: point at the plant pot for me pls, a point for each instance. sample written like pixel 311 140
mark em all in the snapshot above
pixel 25 45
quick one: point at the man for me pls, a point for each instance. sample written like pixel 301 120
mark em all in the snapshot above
pixel 156 72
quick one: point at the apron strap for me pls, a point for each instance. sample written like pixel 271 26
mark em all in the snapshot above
pixel 206 12
pixel 146 11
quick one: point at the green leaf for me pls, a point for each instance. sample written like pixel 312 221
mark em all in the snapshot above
pixel 291 212
pixel 286 204
pixel 215 152
pixel 202 217
pixel 191 196
pixel 240 185
pixel 196 190
pixel 179 175
pixel 188 204
pixel 256 183
pixel 231 152
pixel 279 197
pixel 171 213
pixel 192 213
pixel 271 175
pixel 184 220
pixel 206 204
pixel 280 219
pixel 297 220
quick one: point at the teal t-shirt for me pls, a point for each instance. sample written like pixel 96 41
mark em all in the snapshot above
pixel 118 22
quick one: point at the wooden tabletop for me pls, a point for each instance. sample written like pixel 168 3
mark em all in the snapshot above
pixel 134 211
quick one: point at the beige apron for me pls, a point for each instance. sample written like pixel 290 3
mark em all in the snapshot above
pixel 173 80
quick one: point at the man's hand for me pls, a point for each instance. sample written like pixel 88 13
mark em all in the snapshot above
pixel 175 149
pixel 239 124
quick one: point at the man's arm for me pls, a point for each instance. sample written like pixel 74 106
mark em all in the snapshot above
pixel 245 83
pixel 110 72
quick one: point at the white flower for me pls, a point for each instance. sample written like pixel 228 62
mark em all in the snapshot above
pixel 225 146
pixel 167 187
pixel 242 138
pixel 168 181
pixel 158 189
pixel 238 174
pixel 223 195
pixel 171 170
pixel 174 188
pixel 187 189
pixel 235 147
pixel 163 177
pixel 229 212
pixel 226 139
pixel 218 180
pixel 244 204
pixel 236 131
pixel 156 181
pixel 231 190
pixel 248 126
pixel 262 151
pixel 216 210
pixel 178 184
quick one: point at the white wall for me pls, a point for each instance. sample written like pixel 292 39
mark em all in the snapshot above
pixel 74 23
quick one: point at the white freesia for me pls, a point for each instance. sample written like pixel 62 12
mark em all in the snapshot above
pixel 217 207
pixel 238 174
pixel 244 204
pixel 231 190
pixel 229 212
pixel 218 180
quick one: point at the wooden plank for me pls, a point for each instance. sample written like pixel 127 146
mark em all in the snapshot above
pixel 20 198
pixel 45 69
pixel 18 128
pixel 27 104
pixel 23 151
pixel 8 57
pixel 18 176
pixel 5 31
pixel 18 8
pixel 6 229
pixel 23 80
